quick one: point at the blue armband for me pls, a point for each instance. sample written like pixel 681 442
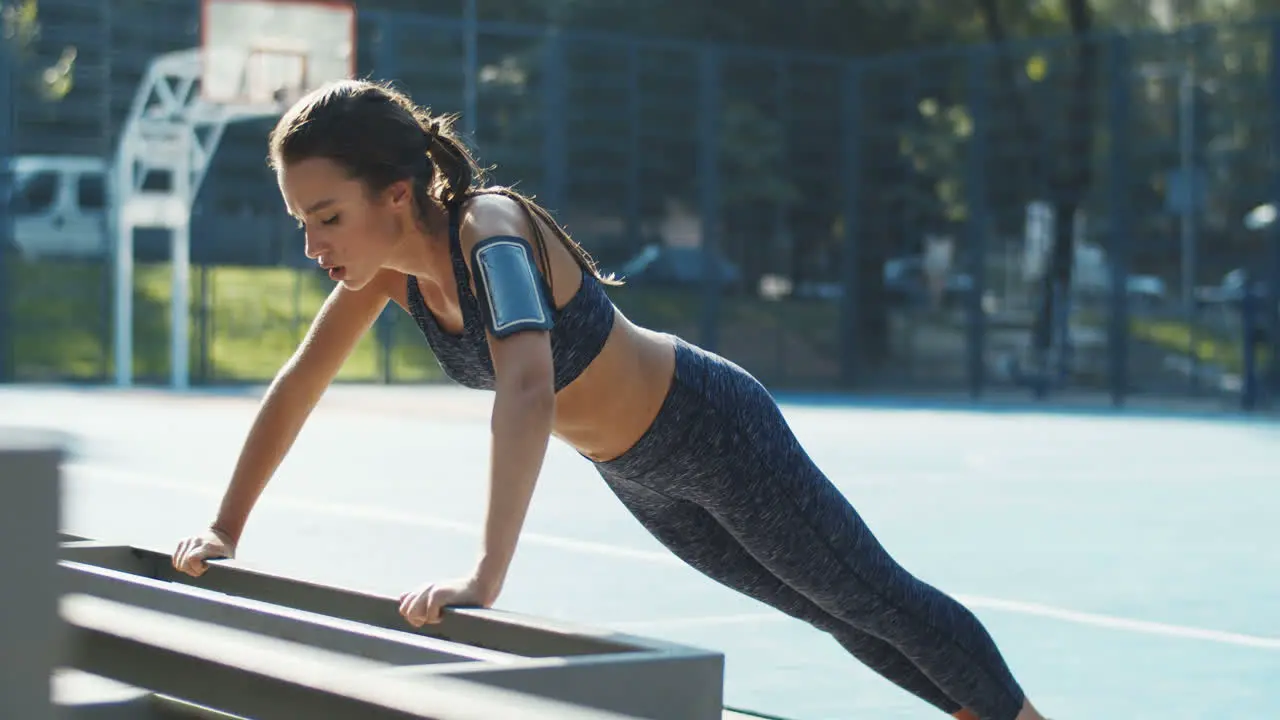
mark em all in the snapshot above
pixel 511 291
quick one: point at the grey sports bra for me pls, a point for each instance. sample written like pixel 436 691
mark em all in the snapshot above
pixel 580 330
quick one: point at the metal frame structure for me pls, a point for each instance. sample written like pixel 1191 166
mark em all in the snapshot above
pixel 29 518
pixel 170 129
pixel 210 666
pixel 607 671
pixel 123 634
pixel 174 126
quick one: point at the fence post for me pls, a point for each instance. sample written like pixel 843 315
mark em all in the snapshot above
pixel 635 156
pixel 709 190
pixel 30 632
pixel 386 65
pixel 1121 216
pixel 850 146
pixel 202 369
pixel 977 222
pixel 1250 327
pixel 554 145
pixel 1273 230
pixel 470 67
pixel 781 253
pixel 8 249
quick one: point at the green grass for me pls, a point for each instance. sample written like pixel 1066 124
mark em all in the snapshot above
pixel 246 322
pixel 257 317
pixel 59 320
pixel 1207 346
pixel 254 320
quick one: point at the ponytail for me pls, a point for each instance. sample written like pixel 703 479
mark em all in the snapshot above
pixel 456 171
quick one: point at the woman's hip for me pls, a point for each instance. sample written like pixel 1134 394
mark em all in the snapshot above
pixel 715 422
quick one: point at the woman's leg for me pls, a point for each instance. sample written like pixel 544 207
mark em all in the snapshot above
pixel 720 442
pixel 694 536
pixel 784 511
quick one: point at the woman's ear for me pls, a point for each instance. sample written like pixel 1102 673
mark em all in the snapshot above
pixel 399 195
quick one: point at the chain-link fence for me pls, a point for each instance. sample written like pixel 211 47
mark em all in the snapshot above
pixel 1068 215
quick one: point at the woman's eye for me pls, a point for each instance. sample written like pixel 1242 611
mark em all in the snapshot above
pixel 331 221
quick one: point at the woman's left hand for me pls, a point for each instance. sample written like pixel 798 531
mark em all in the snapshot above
pixel 427 603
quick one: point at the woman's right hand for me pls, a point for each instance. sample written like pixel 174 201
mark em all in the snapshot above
pixel 193 552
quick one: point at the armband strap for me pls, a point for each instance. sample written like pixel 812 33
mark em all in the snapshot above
pixel 511 291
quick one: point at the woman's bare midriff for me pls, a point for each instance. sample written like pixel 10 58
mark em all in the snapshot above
pixel 606 409
pixel 614 401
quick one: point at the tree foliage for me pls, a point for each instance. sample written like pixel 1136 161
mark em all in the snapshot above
pixel 21 32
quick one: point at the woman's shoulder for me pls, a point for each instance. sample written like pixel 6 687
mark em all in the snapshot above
pixel 494 211
pixel 495 200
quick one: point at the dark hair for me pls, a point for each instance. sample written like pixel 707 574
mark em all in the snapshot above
pixel 379 137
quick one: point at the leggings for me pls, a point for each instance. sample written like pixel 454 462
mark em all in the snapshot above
pixel 722 482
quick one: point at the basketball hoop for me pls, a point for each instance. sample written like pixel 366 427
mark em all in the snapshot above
pixel 260 54
pixel 274 77
pixel 256 57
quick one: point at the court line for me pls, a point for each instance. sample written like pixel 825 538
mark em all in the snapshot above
pixel 100 472
pixel 376 514
pixel 1120 623
pixel 988 603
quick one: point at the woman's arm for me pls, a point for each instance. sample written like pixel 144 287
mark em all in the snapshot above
pixel 342 320
pixel 523 407
pixel 509 286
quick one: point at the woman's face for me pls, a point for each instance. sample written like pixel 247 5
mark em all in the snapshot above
pixel 349 232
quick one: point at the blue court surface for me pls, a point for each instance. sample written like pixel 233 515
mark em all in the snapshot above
pixel 1128 567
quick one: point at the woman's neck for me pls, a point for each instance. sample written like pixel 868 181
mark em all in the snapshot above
pixel 423 246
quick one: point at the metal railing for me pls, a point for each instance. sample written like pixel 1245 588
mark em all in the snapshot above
pixel 258 645
pixel 29 518
pixel 253 675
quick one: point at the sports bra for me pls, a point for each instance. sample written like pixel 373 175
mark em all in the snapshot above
pixel 580 330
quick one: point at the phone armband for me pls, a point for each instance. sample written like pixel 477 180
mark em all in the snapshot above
pixel 512 294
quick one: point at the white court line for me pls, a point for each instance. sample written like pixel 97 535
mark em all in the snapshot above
pixel 1119 623
pixel 975 602
pixel 127 477
pixel 377 514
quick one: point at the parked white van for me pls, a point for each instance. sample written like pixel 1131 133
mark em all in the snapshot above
pixel 59 205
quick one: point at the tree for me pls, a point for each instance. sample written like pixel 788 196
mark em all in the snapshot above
pixel 21 28
pixel 1062 173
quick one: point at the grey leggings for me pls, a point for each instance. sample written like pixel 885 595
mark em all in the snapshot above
pixel 722 482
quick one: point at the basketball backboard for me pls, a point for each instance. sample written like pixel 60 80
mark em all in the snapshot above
pixel 270 52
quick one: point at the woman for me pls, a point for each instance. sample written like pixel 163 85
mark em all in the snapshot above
pixel 694 447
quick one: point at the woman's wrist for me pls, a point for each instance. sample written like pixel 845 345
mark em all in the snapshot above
pixel 488 578
pixel 224 533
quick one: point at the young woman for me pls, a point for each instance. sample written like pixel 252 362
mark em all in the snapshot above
pixel 691 444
